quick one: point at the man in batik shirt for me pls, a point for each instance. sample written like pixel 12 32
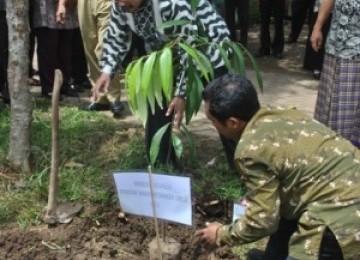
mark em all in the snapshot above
pixel 293 167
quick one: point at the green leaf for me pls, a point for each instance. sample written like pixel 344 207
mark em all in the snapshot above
pixel 238 58
pixel 189 138
pixel 173 23
pixel 194 54
pixel 151 98
pixel 178 146
pixel 225 56
pixel 197 93
pixel 156 86
pixel 142 111
pixel 207 64
pixel 256 69
pixel 166 72
pixel 133 79
pixel 147 71
pixel 155 143
pixel 190 75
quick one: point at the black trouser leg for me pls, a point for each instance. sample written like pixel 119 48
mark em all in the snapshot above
pixel 155 121
pixel 314 60
pixel 243 15
pixel 265 14
pixel 79 67
pixel 31 38
pixel 3 56
pixel 278 42
pixel 230 8
pixel 54 52
pixel 300 10
pixel 277 247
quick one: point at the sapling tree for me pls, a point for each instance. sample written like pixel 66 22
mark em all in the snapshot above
pixel 149 79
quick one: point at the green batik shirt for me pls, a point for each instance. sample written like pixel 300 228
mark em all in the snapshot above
pixel 297 168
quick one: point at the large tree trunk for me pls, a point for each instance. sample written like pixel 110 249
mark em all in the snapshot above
pixel 21 107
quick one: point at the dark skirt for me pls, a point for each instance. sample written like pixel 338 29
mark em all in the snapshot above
pixel 338 99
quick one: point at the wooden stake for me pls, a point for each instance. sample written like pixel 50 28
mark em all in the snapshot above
pixel 50 216
pixel 159 248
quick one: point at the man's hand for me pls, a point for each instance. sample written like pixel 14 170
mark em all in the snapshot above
pixel 101 85
pixel 208 234
pixel 316 39
pixel 61 13
pixel 177 106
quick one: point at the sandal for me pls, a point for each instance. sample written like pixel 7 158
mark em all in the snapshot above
pixel 34 82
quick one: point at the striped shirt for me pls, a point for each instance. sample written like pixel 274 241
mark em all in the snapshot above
pixel 118 40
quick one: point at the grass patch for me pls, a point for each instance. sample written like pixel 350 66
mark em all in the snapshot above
pixel 91 147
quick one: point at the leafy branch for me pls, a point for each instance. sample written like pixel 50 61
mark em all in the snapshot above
pixel 150 79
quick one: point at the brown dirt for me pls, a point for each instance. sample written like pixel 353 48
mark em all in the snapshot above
pixel 108 237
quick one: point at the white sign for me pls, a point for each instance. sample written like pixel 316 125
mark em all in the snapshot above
pixel 172 195
pixel 239 210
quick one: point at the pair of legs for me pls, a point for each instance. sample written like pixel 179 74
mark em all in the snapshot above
pixel 54 52
pixel 300 9
pixel 267 9
pixel 241 9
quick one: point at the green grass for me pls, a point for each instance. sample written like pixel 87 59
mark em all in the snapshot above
pixel 91 147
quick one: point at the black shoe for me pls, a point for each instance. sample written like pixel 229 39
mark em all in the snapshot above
pixel 92 106
pixel 316 74
pixel 262 53
pixel 117 108
pixel 255 254
pixel 278 55
pixel 69 92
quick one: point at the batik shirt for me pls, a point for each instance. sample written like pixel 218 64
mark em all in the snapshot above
pixel 117 40
pixel 45 15
pixel 296 168
pixel 344 36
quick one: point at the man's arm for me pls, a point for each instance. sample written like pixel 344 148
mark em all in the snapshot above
pixel 117 41
pixel 262 212
pixel 116 45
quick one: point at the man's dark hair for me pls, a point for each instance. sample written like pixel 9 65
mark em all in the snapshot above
pixel 231 95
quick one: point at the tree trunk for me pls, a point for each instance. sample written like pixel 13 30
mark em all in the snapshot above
pixel 21 106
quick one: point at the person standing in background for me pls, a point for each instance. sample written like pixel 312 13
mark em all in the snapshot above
pixel 313 60
pixel 276 46
pixel 54 45
pixel 300 9
pixel 94 18
pixel 241 8
pixel 338 100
